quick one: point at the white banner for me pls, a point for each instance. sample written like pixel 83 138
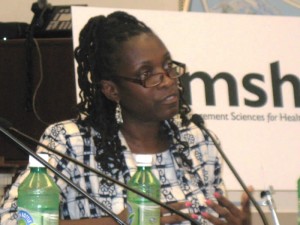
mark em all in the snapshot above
pixel 244 74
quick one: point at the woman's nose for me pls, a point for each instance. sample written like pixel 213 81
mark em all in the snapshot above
pixel 167 80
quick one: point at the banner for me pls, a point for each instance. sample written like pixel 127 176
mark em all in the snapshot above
pixel 244 79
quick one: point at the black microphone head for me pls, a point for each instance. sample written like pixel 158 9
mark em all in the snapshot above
pixel 197 119
pixel 5 123
pixel 264 194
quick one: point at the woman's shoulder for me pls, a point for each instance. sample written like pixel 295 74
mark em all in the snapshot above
pixel 66 129
pixel 195 128
pixel 65 133
pixel 66 126
pixel 189 126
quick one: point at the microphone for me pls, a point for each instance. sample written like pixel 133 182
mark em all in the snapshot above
pixel 199 122
pixel 6 125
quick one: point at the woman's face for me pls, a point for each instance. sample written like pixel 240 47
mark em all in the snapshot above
pixel 140 54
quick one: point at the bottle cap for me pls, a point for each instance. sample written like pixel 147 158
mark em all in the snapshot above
pixel 35 163
pixel 143 159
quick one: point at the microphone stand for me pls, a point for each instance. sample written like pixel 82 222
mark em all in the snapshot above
pixel 270 202
pixel 198 121
pixel 8 134
pixel 63 177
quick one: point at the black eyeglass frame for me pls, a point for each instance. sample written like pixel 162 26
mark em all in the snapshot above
pixel 141 81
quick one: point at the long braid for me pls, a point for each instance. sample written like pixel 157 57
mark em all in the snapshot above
pixel 97 57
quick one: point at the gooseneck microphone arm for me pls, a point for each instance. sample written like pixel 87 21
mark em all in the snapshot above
pixel 60 175
pixel 5 123
pixel 198 121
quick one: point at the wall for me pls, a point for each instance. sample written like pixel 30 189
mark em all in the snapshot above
pixel 20 11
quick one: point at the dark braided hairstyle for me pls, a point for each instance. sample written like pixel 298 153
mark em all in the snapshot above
pixel 97 57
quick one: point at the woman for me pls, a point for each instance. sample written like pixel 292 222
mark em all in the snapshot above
pixel 131 103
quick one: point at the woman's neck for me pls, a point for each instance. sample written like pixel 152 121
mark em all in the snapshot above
pixel 145 138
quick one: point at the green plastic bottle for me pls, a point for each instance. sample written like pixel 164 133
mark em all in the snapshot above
pixel 38 196
pixel 142 211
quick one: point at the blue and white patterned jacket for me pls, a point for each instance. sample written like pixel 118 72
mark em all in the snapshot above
pixel 179 182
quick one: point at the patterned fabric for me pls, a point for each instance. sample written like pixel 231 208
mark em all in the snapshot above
pixel 179 181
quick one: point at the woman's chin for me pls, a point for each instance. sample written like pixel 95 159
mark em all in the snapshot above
pixel 171 113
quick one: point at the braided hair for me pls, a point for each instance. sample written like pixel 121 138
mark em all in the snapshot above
pixel 97 57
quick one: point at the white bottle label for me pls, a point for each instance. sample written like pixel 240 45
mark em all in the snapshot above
pixel 146 214
pixel 26 217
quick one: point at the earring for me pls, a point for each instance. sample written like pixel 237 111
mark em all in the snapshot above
pixel 180 88
pixel 118 114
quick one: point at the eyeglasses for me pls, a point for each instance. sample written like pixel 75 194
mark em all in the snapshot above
pixel 174 70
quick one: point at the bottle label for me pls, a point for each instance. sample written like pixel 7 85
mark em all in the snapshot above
pixel 26 217
pixel 146 214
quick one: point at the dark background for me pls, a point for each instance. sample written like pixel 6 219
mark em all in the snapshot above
pixel 55 99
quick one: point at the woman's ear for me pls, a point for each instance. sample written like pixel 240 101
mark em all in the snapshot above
pixel 110 90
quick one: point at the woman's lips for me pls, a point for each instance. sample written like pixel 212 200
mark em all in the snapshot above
pixel 170 99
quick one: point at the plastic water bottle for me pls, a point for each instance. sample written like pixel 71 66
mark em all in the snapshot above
pixel 298 189
pixel 140 209
pixel 38 196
